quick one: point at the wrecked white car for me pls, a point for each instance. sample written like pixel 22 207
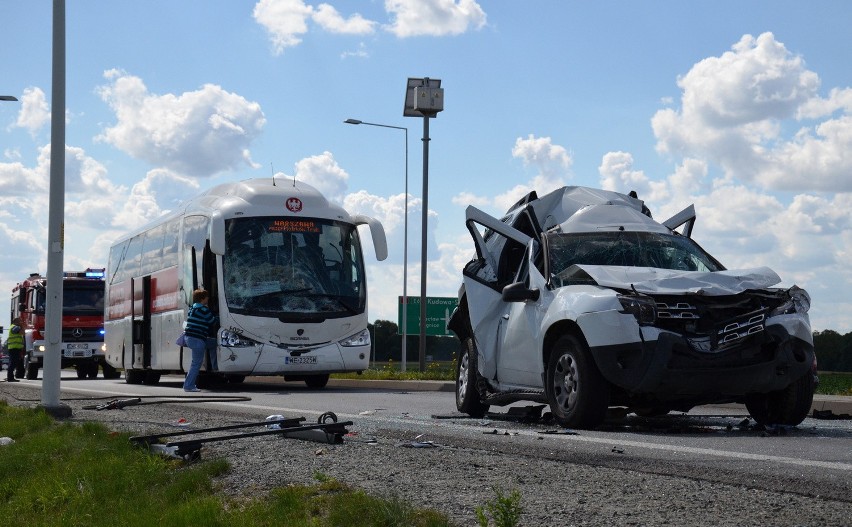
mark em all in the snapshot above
pixel 579 299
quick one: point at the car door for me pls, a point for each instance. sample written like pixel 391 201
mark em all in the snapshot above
pixel 518 341
pixel 484 278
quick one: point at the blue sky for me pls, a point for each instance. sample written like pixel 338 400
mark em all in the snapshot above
pixel 742 108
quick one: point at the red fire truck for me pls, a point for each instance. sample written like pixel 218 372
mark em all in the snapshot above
pixel 82 344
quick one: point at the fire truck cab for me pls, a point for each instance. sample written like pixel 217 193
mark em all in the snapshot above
pixel 82 343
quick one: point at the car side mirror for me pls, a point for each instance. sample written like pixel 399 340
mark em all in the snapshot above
pixel 519 292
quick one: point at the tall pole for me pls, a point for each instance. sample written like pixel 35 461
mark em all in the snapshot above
pixel 55 223
pixel 423 243
pixel 404 350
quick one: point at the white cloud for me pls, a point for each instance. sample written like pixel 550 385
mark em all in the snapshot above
pixel 285 20
pixel 330 19
pixel 35 112
pixel 733 109
pixel 197 133
pixel 323 173
pixel 433 17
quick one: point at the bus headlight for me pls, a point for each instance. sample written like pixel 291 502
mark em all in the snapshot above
pixel 361 338
pixel 229 339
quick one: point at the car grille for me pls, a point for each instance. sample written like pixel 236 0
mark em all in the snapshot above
pixel 82 335
pixel 713 325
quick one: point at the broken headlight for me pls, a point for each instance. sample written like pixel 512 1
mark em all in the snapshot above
pixel 230 339
pixel 798 302
pixel 642 307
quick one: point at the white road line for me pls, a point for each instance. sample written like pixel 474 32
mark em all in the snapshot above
pixel 834 465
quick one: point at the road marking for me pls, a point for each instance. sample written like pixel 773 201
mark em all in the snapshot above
pixel 834 465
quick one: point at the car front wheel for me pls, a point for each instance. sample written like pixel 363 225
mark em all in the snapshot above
pixel 576 391
pixel 467 396
pixel 789 406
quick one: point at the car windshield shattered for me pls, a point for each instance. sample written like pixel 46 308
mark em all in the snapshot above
pixel 285 267
pixel 627 249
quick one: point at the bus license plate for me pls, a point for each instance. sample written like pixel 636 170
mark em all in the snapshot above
pixel 301 360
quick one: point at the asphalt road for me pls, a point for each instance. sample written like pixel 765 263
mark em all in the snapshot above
pixel 709 443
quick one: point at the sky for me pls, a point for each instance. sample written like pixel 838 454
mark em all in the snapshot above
pixel 743 109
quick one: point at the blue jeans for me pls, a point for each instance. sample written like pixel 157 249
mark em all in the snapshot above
pixel 198 347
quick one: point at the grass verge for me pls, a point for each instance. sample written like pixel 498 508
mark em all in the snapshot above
pixel 57 474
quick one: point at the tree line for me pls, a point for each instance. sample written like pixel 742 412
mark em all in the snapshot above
pixel 833 350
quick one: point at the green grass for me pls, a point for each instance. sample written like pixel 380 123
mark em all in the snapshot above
pixel 391 370
pixel 58 474
pixel 835 384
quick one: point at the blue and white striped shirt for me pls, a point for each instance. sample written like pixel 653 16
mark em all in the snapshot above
pixel 199 321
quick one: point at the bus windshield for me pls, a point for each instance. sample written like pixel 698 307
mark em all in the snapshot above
pixel 293 268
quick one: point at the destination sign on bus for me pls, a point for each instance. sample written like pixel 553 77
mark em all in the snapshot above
pixel 294 226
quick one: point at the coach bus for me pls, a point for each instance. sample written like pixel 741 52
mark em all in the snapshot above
pixel 285 274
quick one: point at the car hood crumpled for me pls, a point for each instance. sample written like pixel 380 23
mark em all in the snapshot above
pixel 650 280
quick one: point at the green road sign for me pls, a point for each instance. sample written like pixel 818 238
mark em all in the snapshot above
pixel 438 311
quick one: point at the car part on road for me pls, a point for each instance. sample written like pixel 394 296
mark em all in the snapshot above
pixel 190 449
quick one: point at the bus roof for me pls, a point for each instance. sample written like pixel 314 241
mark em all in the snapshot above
pixel 255 197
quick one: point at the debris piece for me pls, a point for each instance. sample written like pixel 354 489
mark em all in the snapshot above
pixel 828 414
pixel 617 450
pixel 564 432
pixel 5 441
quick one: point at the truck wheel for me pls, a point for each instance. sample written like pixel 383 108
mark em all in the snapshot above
pixel 467 396
pixel 316 381
pixel 789 406
pixel 576 391
pixel 81 371
pixel 92 370
pixel 30 369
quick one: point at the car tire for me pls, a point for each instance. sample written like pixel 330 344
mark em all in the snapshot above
pixel 316 381
pixel 789 406
pixel 467 376
pixel 575 389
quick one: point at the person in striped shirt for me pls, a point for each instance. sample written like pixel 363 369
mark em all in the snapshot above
pixel 200 323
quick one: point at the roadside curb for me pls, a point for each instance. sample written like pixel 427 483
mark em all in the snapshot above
pixel 836 404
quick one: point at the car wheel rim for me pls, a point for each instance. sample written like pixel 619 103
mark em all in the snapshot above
pixel 566 382
pixel 464 365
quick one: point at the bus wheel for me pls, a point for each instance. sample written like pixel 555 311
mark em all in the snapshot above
pixel 30 369
pixel 110 372
pixel 151 378
pixel 316 381
pixel 134 376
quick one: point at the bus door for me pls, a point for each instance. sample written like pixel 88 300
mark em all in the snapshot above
pixel 141 306
pixel 189 283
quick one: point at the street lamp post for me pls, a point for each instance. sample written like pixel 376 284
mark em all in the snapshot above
pixel 405 243
pixel 423 98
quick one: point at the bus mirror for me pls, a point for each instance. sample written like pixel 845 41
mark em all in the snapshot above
pixel 377 232
pixel 217 234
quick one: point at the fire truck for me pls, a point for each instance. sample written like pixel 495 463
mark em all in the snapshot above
pixel 82 344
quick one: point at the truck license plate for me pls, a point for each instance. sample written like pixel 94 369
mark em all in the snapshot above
pixel 78 346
